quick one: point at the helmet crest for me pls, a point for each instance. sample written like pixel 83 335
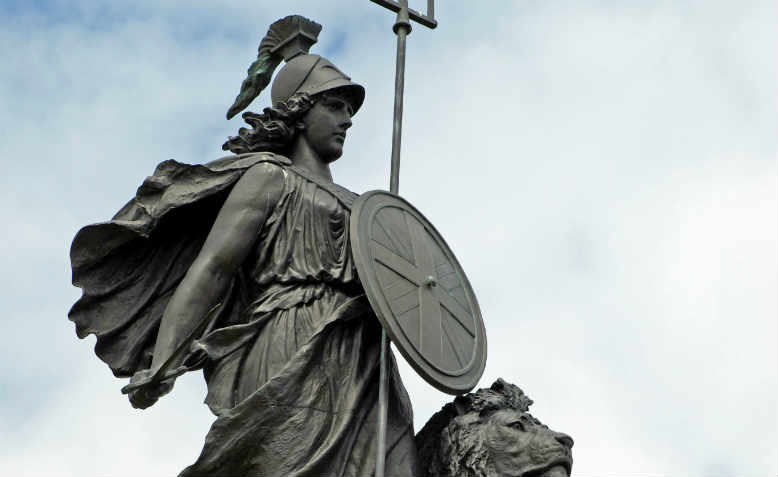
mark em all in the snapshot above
pixel 290 39
pixel 285 39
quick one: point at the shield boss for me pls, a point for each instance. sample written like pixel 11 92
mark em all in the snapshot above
pixel 418 291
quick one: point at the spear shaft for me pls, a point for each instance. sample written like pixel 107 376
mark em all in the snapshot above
pixel 402 28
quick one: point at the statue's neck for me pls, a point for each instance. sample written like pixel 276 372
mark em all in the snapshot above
pixel 302 155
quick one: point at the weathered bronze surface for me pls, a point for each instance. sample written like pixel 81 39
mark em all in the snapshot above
pixel 263 273
pixel 242 267
pixel 418 291
pixel 491 433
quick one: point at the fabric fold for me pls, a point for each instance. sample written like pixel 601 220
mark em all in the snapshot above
pixel 129 267
pixel 291 362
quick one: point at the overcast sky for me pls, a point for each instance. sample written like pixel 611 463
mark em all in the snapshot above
pixel 604 170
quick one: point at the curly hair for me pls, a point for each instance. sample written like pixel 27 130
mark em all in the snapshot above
pixel 273 130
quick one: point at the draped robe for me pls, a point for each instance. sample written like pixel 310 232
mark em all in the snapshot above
pixel 291 362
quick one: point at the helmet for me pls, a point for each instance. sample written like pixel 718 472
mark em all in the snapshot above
pixel 289 39
pixel 313 74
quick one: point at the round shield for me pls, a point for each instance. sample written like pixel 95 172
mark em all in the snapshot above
pixel 418 291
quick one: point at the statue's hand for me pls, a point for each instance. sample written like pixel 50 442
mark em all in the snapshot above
pixel 148 391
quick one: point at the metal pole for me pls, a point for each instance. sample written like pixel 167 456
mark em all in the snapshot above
pixel 402 28
pixel 380 460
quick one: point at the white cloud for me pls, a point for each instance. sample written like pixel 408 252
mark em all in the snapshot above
pixel 606 174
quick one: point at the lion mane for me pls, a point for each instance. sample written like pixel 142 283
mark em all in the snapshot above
pixel 490 432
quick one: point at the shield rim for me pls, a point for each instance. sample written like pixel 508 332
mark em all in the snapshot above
pixel 363 258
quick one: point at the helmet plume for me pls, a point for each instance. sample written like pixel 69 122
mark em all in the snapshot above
pixel 286 38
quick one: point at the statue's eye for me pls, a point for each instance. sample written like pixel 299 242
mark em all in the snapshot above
pixel 518 425
pixel 334 105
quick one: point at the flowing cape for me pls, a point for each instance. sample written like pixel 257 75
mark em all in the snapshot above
pixel 316 412
pixel 129 267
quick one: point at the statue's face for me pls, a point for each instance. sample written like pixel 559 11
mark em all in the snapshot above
pixel 325 125
pixel 520 445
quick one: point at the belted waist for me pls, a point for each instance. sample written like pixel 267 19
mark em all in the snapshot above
pixel 283 296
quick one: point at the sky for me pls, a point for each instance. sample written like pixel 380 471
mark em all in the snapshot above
pixel 604 171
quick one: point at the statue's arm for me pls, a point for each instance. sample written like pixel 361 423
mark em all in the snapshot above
pixel 228 243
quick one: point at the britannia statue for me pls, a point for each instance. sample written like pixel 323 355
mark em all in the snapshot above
pixel 283 288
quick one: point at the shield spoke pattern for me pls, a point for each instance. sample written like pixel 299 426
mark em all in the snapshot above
pixel 434 315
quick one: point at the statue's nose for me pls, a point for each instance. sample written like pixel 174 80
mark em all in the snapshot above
pixel 564 439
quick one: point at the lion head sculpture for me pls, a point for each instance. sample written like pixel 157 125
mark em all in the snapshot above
pixel 489 433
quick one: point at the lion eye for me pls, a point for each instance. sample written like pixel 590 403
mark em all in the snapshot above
pixel 518 425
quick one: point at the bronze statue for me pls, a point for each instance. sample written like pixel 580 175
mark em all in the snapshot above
pixel 491 432
pixel 255 269
pixel 247 258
